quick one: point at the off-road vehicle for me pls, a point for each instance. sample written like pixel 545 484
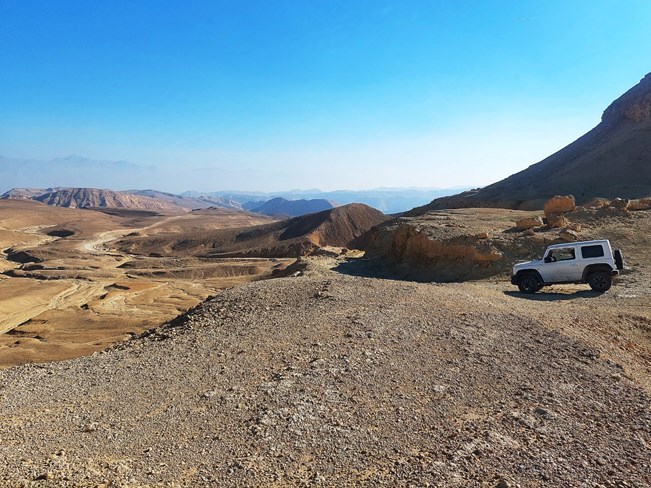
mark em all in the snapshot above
pixel 592 262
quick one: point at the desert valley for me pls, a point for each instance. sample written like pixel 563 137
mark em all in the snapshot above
pixel 152 339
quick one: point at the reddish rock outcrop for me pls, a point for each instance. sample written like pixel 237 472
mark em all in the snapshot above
pixel 556 221
pixel 529 223
pixel 640 204
pixel 559 205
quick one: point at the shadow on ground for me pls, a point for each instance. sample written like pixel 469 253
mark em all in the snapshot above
pixel 554 296
pixel 368 268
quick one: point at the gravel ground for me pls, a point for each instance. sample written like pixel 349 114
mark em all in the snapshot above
pixel 334 380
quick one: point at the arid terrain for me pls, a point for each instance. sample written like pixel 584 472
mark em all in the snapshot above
pixel 338 380
pixel 75 281
pixel 337 374
pixel 64 293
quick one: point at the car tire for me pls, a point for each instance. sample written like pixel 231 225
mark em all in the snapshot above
pixel 529 283
pixel 600 281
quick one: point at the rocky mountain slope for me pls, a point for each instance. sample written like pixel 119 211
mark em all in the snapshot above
pixel 333 380
pixel 22 194
pixel 293 237
pixel 130 199
pixel 292 208
pixel 187 202
pixel 612 160
pixel 97 198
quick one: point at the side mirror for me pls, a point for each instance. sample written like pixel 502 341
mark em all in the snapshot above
pixel 548 259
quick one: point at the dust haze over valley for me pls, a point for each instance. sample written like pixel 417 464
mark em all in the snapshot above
pixel 174 314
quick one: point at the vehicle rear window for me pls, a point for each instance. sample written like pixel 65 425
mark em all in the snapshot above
pixel 592 251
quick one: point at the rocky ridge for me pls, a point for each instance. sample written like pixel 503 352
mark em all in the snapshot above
pixel 93 198
pixel 151 200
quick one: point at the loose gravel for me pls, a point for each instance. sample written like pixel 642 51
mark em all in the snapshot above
pixel 332 380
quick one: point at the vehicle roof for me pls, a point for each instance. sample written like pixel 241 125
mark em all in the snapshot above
pixel 580 243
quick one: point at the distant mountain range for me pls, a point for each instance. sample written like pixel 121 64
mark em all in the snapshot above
pixel 291 208
pixel 612 160
pixel 92 198
pixel 387 200
pixel 161 201
pixel 82 172
pixel 188 202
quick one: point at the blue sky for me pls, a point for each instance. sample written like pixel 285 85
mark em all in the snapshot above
pixel 261 95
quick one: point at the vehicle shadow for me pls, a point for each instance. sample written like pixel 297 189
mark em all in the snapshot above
pixel 542 296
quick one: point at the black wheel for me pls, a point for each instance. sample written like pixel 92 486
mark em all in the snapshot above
pixel 619 259
pixel 600 281
pixel 529 283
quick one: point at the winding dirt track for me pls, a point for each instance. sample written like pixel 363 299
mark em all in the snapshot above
pixel 81 296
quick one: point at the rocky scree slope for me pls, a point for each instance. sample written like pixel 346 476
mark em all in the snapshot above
pixel 332 380
pixel 612 160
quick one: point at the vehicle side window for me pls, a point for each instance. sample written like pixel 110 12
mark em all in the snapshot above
pixel 562 254
pixel 592 251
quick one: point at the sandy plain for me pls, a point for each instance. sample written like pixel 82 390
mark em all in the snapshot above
pixel 64 292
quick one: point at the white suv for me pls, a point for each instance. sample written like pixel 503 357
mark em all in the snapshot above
pixel 592 262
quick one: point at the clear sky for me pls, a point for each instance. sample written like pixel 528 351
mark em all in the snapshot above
pixel 272 95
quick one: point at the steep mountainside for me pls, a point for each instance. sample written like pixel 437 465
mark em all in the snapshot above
pixel 293 208
pixel 612 160
pixel 293 237
pixel 93 197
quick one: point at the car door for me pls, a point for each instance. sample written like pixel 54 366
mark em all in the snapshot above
pixel 560 265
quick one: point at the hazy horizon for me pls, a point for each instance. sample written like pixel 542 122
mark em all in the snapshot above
pixel 332 94
pixel 84 173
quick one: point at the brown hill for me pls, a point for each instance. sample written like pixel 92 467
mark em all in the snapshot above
pixel 98 198
pixel 299 236
pixel 293 208
pixel 612 160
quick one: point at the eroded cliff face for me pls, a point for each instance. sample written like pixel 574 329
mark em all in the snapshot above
pixel 454 245
pixel 416 253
